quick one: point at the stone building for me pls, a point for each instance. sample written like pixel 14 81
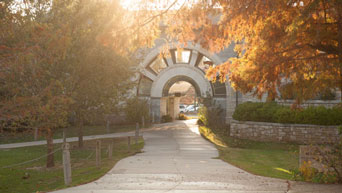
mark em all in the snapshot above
pixel 189 63
pixel 158 74
pixel 189 97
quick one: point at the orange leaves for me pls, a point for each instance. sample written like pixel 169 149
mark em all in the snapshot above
pixel 3 47
pixel 35 51
pixel 39 29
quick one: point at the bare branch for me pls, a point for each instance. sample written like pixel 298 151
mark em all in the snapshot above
pixel 149 20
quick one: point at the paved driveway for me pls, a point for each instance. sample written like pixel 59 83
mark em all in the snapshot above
pixel 177 159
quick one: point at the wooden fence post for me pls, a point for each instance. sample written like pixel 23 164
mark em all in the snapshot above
pixel 152 117
pixel 142 122
pixel 110 150
pixel 108 125
pixel 66 164
pixel 136 133
pixel 129 143
pixel 98 153
pixel 36 134
pixel 64 135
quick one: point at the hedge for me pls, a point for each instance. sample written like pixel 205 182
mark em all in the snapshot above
pixel 275 113
pixel 166 119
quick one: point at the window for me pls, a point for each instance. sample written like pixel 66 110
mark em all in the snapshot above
pixel 182 56
pixel 145 86
pixel 219 88
pixel 158 65
pixel 204 63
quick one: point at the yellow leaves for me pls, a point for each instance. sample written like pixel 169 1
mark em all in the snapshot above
pixel 283 170
pixel 207 133
pixel 165 51
pixel 307 170
pixel 239 48
pixel 309 76
pixel 211 73
pixel 314 16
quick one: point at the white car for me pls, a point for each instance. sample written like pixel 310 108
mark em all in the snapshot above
pixel 182 108
pixel 190 108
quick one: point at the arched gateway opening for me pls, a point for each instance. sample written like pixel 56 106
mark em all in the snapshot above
pixel 189 64
pixel 175 93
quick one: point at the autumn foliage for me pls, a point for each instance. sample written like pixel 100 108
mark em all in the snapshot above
pixel 276 42
pixel 69 57
pixel 62 59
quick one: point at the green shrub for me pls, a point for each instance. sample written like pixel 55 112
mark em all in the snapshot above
pixel 199 122
pixel 266 112
pixel 336 115
pixel 203 116
pixel 327 94
pixel 211 117
pixel 166 119
pixel 246 111
pixel 256 111
pixel 181 116
pixel 272 112
pixel 283 115
pixel 137 108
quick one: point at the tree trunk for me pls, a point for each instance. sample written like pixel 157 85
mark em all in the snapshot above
pixel 339 34
pixel 80 133
pixel 50 158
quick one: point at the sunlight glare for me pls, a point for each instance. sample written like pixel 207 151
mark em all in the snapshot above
pixel 155 4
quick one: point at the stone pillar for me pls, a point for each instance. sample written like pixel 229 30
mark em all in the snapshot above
pixel 230 103
pixel 194 56
pixel 176 106
pixel 155 109
pixel 221 102
pixel 169 61
pixel 152 117
pixel 163 106
pixel 171 107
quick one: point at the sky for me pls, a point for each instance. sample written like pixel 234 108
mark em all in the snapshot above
pixel 156 4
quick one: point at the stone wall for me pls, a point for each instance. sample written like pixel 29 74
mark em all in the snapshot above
pixel 327 103
pixel 296 133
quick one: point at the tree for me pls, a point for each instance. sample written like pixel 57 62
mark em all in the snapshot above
pixel 101 80
pixel 32 94
pixel 99 76
pixel 136 109
pixel 62 56
pixel 298 41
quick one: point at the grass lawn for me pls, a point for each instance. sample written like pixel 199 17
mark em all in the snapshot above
pixel 260 158
pixel 34 177
pixel 6 137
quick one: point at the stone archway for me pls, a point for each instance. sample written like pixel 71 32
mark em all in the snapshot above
pixel 169 104
pixel 175 79
pixel 181 72
pixel 189 64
